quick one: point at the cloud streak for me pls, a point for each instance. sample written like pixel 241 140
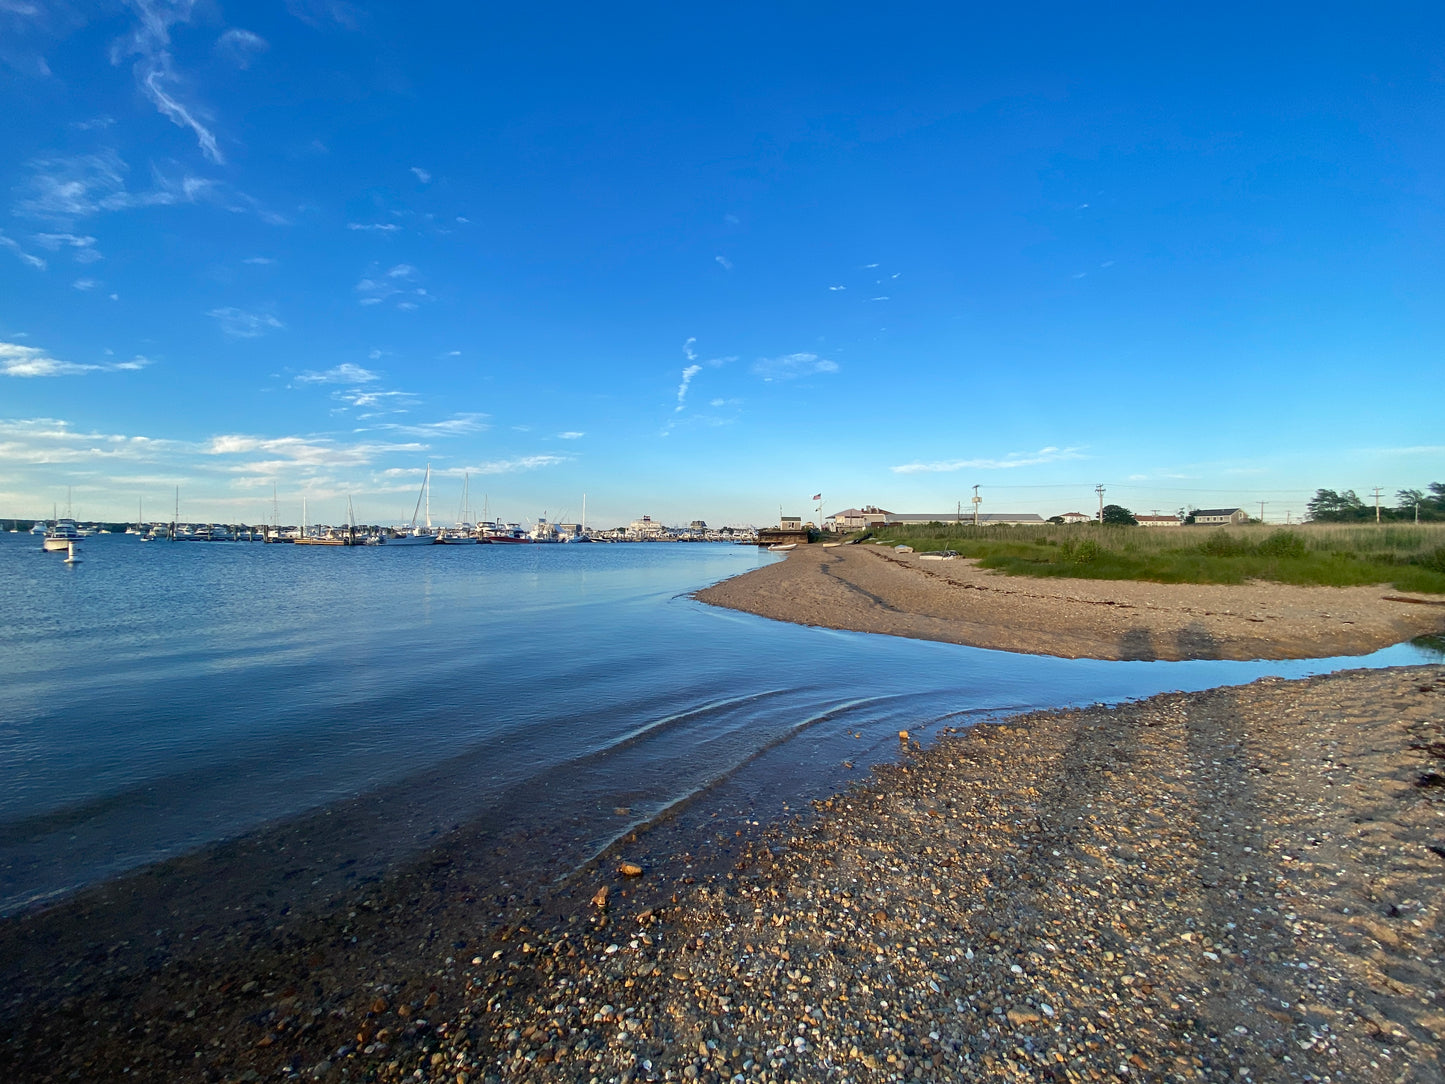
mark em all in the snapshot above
pixel 25 257
pixel 154 69
pixel 687 375
pixel 792 366
pixel 240 324
pixel 31 361
pixel 346 373
pixel 1014 459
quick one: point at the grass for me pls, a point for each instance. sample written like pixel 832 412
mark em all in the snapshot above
pixel 1410 558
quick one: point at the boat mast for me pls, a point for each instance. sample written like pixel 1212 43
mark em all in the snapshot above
pixel 426 488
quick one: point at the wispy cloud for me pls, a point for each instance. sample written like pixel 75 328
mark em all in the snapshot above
pixel 83 247
pixel 792 366
pixel 687 348
pixel 149 42
pixel 422 175
pixel 723 262
pixel 1013 459
pixel 85 284
pixel 30 361
pixel 241 46
pixel 282 452
pixel 456 426
pixel 258 261
pixel 378 288
pixel 379 227
pixel 836 288
pixel 65 188
pixel 321 14
pixel 687 375
pixel 345 373
pixel 884 298
pixel 520 463
pixel 571 434
pixel 240 324
pixel 25 257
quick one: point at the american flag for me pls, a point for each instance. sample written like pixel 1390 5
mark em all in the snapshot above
pixel 817 496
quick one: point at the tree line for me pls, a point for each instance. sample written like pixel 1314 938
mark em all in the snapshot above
pixel 1328 506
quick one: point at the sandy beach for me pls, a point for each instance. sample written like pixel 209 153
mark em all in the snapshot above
pixel 875 589
pixel 1244 883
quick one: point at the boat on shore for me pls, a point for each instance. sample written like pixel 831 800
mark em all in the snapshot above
pixel 783 547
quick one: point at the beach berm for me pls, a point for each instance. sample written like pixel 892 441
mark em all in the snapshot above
pixel 875 589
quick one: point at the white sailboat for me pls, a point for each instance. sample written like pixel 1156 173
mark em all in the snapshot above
pixel 412 535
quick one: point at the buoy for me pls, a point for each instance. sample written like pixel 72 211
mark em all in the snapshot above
pixel 70 557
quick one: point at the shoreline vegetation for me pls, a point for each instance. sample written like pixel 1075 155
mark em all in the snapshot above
pixel 1409 557
pixel 1242 883
pixel 1063 608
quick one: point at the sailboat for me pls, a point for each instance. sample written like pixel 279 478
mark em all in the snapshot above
pixel 465 532
pixel 412 535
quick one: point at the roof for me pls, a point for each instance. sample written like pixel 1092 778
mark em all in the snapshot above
pixel 1215 511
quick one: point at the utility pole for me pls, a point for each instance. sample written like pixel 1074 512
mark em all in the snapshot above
pixel 1377 506
pixel 1261 511
pixel 1099 489
pixel 976 500
pixel 1417 512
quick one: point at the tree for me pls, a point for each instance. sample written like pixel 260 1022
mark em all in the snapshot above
pixel 1118 516
pixel 1331 507
pixel 1056 519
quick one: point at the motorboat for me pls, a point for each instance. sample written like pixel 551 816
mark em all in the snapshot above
pixel 783 547
pixel 60 537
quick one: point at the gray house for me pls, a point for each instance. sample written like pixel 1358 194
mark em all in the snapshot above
pixel 1220 517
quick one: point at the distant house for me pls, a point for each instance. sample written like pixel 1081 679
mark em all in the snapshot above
pixel 790 523
pixel 992 519
pixel 1219 517
pixel 1159 521
pixel 1076 517
pixel 858 519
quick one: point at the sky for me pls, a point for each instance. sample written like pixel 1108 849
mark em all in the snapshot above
pixel 705 261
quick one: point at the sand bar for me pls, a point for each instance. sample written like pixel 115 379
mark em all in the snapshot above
pixel 874 589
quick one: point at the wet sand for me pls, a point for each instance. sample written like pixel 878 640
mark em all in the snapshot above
pixel 1244 883
pixel 874 589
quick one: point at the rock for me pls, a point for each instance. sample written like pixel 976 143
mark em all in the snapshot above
pixel 1018 1017
pixel 630 869
pixel 599 899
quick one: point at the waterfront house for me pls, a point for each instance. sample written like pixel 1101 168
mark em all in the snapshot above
pixel 1077 517
pixel 859 519
pixel 1159 521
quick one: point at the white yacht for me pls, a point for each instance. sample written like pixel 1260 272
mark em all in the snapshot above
pixel 60 537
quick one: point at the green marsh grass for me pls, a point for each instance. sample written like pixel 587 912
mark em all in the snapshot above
pixel 1410 558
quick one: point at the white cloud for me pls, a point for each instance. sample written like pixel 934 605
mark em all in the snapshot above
pixel 885 298
pixel 259 261
pixel 869 266
pixel 150 43
pixel 521 463
pixel 29 361
pixel 455 426
pixel 240 46
pixel 422 175
pixel 1013 459
pixel 85 284
pixel 345 373
pixel 571 434
pixel 687 375
pixel 240 324
pixel 687 348
pixel 377 288
pixel 835 288
pixel 402 271
pixel 725 263
pixel 297 451
pixel 25 257
pixel 791 366
pixel 62 189
pixel 381 227
pixel 83 246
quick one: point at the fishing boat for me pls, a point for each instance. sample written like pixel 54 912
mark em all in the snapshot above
pixel 505 534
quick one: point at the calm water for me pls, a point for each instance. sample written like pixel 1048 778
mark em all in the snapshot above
pixel 158 697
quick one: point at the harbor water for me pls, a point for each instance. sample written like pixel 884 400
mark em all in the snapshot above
pixel 158 698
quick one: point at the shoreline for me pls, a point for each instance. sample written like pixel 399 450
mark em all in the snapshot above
pixel 1152 870
pixel 874 589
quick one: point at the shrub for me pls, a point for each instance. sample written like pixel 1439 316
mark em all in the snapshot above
pixel 1224 544
pixel 1282 544
pixel 1434 560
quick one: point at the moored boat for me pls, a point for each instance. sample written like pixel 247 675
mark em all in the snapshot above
pixel 60 537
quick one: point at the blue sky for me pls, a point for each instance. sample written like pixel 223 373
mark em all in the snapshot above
pixel 701 263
